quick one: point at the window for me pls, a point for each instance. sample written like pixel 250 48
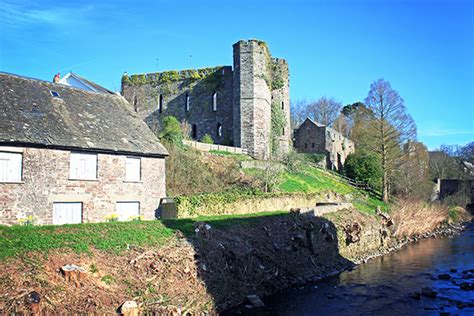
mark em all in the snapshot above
pixel 10 167
pixel 305 145
pixel 312 145
pixel 135 103
pixel 83 166
pixel 160 104
pixel 219 130
pixel 214 101
pixel 127 211
pixel 194 131
pixel 188 102
pixel 67 213
pixel 132 169
pixel 55 94
pixel 282 105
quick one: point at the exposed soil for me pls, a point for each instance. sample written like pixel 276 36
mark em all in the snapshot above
pixel 201 273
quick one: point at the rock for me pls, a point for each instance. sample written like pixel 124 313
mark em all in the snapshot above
pixel 415 295
pixel 429 292
pixel 466 286
pixel 129 308
pixel 444 276
pixel 255 300
pixel 33 300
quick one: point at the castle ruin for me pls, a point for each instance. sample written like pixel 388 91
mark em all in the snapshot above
pixel 247 105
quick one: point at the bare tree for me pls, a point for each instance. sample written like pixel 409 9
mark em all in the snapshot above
pixel 392 127
pixel 324 110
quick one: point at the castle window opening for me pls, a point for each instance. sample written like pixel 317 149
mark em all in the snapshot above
pixel 160 104
pixel 312 145
pixel 194 131
pixel 135 103
pixel 214 102
pixel 188 102
pixel 219 129
pixel 282 105
pixel 305 145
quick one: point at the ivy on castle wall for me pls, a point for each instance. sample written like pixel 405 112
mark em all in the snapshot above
pixel 211 76
pixel 278 125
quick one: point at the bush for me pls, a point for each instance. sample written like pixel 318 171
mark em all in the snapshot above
pixel 207 139
pixel 364 167
pixel 171 132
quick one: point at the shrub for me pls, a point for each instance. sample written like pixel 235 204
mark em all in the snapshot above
pixel 171 131
pixel 364 167
pixel 207 139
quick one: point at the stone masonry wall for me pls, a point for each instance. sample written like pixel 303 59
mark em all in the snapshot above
pixel 144 95
pixel 338 147
pixel 252 92
pixel 281 97
pixel 46 180
pixel 309 138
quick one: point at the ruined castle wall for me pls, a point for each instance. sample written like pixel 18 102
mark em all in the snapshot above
pixel 144 93
pixel 252 95
pixel 281 99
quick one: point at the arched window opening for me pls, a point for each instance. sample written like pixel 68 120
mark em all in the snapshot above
pixel 194 131
pixel 282 105
pixel 219 130
pixel 188 102
pixel 305 145
pixel 160 104
pixel 135 103
pixel 214 101
pixel 312 145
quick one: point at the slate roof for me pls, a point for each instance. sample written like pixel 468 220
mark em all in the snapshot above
pixel 77 119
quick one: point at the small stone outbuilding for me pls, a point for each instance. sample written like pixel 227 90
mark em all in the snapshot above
pixel 312 137
pixel 72 156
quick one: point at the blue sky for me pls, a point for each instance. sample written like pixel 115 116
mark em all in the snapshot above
pixel 334 48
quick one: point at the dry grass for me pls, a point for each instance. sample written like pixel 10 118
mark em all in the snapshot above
pixel 417 217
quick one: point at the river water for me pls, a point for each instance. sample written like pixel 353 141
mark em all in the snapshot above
pixel 386 285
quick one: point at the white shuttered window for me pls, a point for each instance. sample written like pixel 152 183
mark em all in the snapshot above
pixel 133 169
pixel 67 213
pixel 127 211
pixel 83 166
pixel 10 167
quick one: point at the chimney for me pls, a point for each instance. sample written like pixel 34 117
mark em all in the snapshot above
pixel 56 78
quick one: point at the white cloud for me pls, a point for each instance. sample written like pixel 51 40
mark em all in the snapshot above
pixel 20 14
pixel 442 132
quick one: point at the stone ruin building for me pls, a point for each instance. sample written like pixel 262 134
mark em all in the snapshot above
pixel 312 137
pixel 235 105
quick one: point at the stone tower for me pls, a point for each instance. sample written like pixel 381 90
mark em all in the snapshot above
pixel 259 82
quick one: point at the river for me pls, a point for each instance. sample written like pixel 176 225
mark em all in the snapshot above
pixel 386 285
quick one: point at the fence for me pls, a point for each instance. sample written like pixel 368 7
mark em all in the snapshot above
pixel 208 147
pixel 354 183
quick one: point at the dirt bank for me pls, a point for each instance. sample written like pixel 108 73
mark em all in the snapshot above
pixel 209 272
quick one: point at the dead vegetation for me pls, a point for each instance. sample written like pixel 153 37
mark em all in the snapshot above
pixel 190 172
pixel 414 217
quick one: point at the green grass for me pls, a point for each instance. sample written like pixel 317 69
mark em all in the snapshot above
pixel 113 237
pixel 311 180
pixel 239 157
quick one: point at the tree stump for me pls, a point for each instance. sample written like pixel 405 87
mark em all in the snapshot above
pixel 73 273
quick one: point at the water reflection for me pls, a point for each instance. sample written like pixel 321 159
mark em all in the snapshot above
pixel 384 286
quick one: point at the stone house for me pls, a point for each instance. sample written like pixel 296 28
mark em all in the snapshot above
pixel 71 156
pixel 233 105
pixel 312 137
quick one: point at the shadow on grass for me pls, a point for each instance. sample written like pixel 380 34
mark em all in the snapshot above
pixel 260 253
